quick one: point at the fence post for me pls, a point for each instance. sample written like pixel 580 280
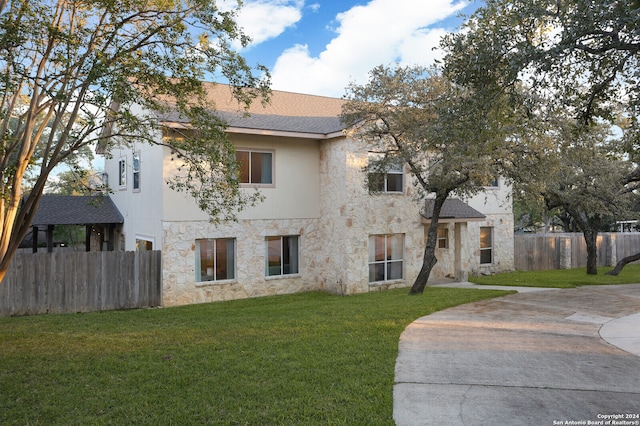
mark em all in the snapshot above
pixel 612 258
pixel 565 252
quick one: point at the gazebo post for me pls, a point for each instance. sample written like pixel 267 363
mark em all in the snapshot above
pixel 34 239
pixel 50 238
pixel 111 236
pixel 87 241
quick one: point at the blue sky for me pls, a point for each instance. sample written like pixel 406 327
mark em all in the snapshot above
pixel 319 46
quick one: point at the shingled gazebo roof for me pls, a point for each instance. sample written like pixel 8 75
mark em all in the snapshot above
pixel 76 210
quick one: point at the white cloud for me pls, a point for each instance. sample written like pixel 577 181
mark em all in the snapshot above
pixel 381 32
pixel 266 19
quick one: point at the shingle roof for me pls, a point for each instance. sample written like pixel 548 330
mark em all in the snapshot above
pixel 453 208
pixel 76 210
pixel 280 103
pixel 322 125
pixel 295 124
pixel 285 112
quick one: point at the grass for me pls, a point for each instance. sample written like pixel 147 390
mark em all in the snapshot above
pixel 565 278
pixel 310 358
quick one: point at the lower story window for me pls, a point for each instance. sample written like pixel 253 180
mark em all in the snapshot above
pixel 386 257
pixel 143 245
pixel 443 238
pixel 215 259
pixel 282 256
pixel 486 245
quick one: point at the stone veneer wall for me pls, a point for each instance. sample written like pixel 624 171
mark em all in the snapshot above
pixel 179 260
pixel 349 215
pixel 503 245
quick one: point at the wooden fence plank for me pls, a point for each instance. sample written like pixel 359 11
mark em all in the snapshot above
pixel 544 252
pixel 65 281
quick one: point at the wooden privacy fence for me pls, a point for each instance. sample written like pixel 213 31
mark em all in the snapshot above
pixel 62 282
pixel 535 252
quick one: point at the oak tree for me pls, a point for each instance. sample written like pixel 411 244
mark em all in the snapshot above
pixel 445 136
pixel 575 169
pixel 579 56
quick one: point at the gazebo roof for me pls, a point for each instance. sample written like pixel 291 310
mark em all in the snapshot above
pixel 76 210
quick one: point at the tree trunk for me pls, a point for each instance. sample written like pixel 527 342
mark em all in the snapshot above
pixel 429 257
pixel 591 237
pixel 16 224
pixel 615 271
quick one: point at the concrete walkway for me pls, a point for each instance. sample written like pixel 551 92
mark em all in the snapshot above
pixel 550 357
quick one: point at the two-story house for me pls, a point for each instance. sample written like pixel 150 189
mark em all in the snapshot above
pixel 318 228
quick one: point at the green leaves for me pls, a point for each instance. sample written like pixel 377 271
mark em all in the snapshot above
pixel 583 52
pixel 80 72
pixel 416 116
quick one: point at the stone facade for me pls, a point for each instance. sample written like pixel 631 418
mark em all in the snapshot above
pixel 350 214
pixel 334 247
pixel 180 286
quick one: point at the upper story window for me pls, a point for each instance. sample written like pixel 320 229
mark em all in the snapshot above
pixel 256 167
pixel 136 171
pixel 493 183
pixel 385 178
pixel 122 172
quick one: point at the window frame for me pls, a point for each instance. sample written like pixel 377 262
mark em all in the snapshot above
pixel 144 243
pixel 494 184
pixel 386 263
pixel 486 249
pixel 443 240
pixel 293 254
pixel 122 172
pixel 135 160
pixel 393 170
pixel 212 262
pixel 251 151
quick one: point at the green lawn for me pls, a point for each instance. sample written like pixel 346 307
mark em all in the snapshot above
pixel 565 278
pixel 310 358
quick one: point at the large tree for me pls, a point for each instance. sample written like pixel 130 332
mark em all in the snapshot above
pixel 579 55
pixel 583 52
pixel 70 67
pixel 445 135
pixel 574 169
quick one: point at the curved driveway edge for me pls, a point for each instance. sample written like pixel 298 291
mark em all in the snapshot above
pixel 534 358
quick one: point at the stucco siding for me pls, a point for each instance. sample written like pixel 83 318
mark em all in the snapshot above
pixel 141 208
pixel 295 192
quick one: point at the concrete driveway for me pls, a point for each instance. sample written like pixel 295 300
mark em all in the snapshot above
pixel 556 357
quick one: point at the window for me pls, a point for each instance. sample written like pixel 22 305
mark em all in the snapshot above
pixel 143 244
pixel 443 238
pixel 255 167
pixel 388 180
pixel 136 171
pixel 486 245
pixel 386 257
pixel 493 182
pixel 282 256
pixel 215 259
pixel 122 172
